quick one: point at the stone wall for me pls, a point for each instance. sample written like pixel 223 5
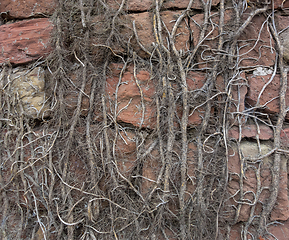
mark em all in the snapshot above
pixel 131 96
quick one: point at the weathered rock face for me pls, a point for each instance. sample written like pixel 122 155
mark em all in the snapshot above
pixel 28 91
pixel 259 49
pixel 285 42
pixel 131 96
pixel 264 92
pixel 131 99
pixel 24 41
pixel 27 8
pixel 249 179
pixel 263 132
pixel 125 150
pixel 144 29
pixel 280 231
pixel 144 5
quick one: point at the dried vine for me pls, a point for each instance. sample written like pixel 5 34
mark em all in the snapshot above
pixel 63 171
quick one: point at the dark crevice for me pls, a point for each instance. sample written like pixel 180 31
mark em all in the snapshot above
pixel 6 18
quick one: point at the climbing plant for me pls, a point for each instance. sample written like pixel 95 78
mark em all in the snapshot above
pixel 60 174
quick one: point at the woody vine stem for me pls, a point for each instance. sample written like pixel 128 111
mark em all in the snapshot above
pixel 188 198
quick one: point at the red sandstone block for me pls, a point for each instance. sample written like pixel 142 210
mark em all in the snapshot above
pixel 24 41
pixel 251 131
pixel 237 90
pixel 269 97
pixel 250 149
pixel 126 96
pixel 279 231
pixel 153 165
pixel 128 106
pixel 277 3
pixel 282 21
pixel 144 25
pixel 27 8
pixel 285 137
pixel 145 5
pixel 125 150
pixel 256 44
pixel 195 80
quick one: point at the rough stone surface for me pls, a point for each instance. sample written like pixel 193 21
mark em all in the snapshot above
pixel 144 29
pixel 282 24
pixel 282 21
pixel 257 51
pixel 213 30
pixel 125 152
pixel 195 80
pixel 126 96
pixel 197 4
pixel 24 41
pixel 144 5
pixel 251 131
pixel 129 96
pixel 269 98
pixel 279 230
pixel 285 42
pixel 71 96
pixel 27 8
pixel 153 165
pixel 250 150
pixel 259 47
pixel 281 4
pixel 29 86
pixel 277 3
pixel 285 137
pixel 237 91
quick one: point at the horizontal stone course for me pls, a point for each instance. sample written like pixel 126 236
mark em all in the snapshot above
pixel 145 5
pixel 25 41
pixel 27 8
pixel 131 97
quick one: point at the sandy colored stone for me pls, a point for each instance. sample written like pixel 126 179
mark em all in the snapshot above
pixel 27 8
pixel 24 41
pixel 29 87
